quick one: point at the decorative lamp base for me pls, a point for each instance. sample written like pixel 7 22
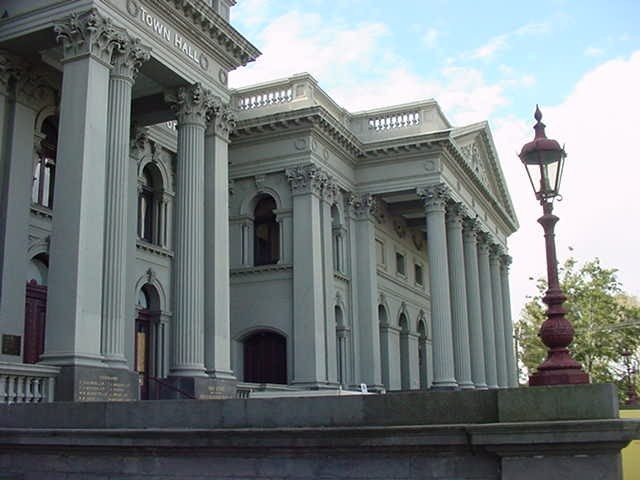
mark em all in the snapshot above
pixel 564 376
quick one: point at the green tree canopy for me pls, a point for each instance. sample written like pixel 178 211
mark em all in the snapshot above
pixel 605 319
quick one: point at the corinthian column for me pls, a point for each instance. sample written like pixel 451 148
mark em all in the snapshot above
pixel 191 105
pixel 459 313
pixel 478 373
pixel 435 198
pixel 512 367
pixel 329 193
pixel 216 280
pixel 128 56
pixel 77 240
pixel 486 302
pixel 496 289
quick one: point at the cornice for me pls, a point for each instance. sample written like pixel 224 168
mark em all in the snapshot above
pixel 315 117
pixel 239 51
pixel 414 143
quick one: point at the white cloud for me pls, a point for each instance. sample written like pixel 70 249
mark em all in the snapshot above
pixel 501 42
pixel 600 211
pixel 491 47
pixel 593 51
pixel 430 37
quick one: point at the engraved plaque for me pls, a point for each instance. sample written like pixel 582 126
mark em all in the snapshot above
pixel 11 344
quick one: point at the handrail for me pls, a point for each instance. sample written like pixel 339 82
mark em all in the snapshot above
pixel 170 387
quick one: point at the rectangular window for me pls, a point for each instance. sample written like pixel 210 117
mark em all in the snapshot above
pixel 418 274
pixel 400 264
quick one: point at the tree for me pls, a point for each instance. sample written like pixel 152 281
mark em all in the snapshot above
pixel 605 319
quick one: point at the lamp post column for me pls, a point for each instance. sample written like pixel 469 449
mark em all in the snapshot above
pixel 435 198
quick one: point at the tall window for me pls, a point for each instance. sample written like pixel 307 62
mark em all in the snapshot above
pixel 265 358
pixel 150 208
pixel 44 168
pixel 266 238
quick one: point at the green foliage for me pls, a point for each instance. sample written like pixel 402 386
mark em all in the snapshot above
pixel 605 319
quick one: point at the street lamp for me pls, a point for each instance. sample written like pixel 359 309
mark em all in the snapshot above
pixel 543 159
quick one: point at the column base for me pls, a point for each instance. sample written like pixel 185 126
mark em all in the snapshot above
pixel 79 383
pixel 198 388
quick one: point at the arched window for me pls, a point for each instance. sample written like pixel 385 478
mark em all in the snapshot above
pixel 150 206
pixel 341 347
pixel 384 345
pixel 44 168
pixel 338 240
pixel 266 233
pixel 265 358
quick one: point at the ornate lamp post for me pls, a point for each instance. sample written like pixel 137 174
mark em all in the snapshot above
pixel 543 159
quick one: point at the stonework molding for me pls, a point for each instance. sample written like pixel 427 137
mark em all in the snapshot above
pixel 330 191
pixel 139 140
pixel 506 261
pixel 435 197
pixel 496 250
pixel 260 180
pixel 88 33
pixel 33 89
pixel 11 67
pixel 128 57
pixel 456 213
pixel 191 104
pixel 306 179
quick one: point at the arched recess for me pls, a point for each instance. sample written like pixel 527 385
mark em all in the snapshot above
pixel 405 359
pixel 338 232
pixel 266 232
pixel 44 163
pixel 383 321
pixel 149 339
pixel 152 206
pixel 35 315
pixel 342 346
pixel 264 357
pixel 422 353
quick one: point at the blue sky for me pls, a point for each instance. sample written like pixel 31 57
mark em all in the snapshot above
pixel 490 60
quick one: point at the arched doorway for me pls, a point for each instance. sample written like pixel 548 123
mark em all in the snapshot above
pixel 265 358
pixel 147 305
pixel 35 313
pixel 266 232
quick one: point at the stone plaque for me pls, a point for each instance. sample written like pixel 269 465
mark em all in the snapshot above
pixel 96 384
pixel 11 344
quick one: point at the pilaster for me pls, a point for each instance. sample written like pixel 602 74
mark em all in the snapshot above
pixel 459 312
pixel 435 198
pixel 127 59
pixel 409 362
pixel 486 304
pixel 496 289
pixel 329 194
pixel 216 255
pixel 474 309
pixel 390 357
pixel 309 335
pixel 191 105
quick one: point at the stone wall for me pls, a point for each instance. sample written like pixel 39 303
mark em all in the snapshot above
pixel 558 432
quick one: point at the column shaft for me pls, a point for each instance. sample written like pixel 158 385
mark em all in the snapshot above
pixel 512 367
pixel 328 196
pixel 486 302
pixel 443 359
pixel 496 290
pixel 476 344
pixel 459 314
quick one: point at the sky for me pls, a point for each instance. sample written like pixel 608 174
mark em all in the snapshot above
pixel 490 60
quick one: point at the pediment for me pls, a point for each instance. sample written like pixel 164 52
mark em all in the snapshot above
pixel 478 151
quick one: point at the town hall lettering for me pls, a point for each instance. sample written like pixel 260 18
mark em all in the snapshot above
pixel 173 38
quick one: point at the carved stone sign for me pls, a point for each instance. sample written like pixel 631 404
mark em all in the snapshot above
pixel 104 388
pixel 167 34
pixel 11 344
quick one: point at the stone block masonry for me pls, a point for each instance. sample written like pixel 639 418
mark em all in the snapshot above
pixel 434 435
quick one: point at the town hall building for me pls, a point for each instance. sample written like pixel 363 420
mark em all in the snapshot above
pixel 165 236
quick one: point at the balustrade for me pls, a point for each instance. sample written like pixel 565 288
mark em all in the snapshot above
pixel 21 383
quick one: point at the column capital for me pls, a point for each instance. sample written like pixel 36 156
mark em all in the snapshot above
pixel 221 120
pixel 330 191
pixel 362 207
pixel 484 241
pixel 128 57
pixel 191 104
pixel 471 228
pixel 11 67
pixel 506 260
pixel 306 179
pixel 88 33
pixel 496 251
pixel 456 213
pixel 435 197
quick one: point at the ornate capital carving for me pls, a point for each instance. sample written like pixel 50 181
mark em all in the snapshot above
pixel 88 33
pixel 306 179
pixel 506 261
pixel 484 242
pixel 191 104
pixel 363 206
pixel 456 212
pixel 435 197
pixel 10 68
pixel 496 251
pixel 222 119
pixel 330 190
pixel 128 57
pixel 139 140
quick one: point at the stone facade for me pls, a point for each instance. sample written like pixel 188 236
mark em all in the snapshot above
pixel 196 236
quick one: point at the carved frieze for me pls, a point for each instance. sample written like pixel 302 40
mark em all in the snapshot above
pixel 191 104
pixel 88 33
pixel 435 197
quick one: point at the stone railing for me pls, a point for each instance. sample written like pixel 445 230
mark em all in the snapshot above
pixel 293 93
pixel 394 120
pixel 23 383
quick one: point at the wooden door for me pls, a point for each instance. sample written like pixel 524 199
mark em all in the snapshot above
pixel 265 358
pixel 142 352
pixel 35 315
